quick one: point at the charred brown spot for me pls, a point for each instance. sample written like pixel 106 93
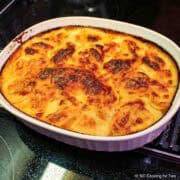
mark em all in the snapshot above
pixel 23 92
pixel 61 102
pixel 26 86
pixel 139 103
pixel 137 82
pixel 59 35
pixel 168 73
pixel 139 120
pixel 154 94
pixel 96 54
pixel 93 67
pixel 62 82
pixel 109 46
pixel 158 84
pixel 92 38
pixel 30 51
pixel 150 63
pixel 58 74
pixel 56 117
pixel 89 122
pixel 124 120
pixel 154 82
pixel 43 45
pixel 125 54
pixel 100 47
pixel 159 60
pixel 72 99
pixel 170 82
pixel 39 114
pixel 31 83
pixel 63 54
pixel 115 65
pixel 166 96
pixel 120 122
pixel 45 73
pixel 132 46
pixel 64 77
pixel 93 86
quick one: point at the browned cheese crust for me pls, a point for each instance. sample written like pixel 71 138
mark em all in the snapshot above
pixel 89 80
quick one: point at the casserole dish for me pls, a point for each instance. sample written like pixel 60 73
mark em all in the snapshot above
pixel 118 143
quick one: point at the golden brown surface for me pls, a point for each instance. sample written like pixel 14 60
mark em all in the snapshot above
pixel 91 81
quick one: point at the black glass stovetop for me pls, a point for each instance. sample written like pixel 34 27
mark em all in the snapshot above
pixel 25 154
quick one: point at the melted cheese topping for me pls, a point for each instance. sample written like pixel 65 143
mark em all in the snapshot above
pixel 89 80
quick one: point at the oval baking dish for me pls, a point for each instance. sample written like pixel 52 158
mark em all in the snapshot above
pixel 98 143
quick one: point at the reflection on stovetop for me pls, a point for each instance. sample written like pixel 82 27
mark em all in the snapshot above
pixel 89 163
pixel 168 144
pixel 35 156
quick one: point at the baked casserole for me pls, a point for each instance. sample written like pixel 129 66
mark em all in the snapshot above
pixel 90 80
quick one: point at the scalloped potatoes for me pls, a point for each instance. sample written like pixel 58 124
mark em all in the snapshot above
pixel 90 80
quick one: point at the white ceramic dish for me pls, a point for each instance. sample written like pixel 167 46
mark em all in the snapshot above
pixel 120 143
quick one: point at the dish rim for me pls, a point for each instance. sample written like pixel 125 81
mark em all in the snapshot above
pixel 167 117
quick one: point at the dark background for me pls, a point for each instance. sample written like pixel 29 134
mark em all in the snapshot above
pixel 160 15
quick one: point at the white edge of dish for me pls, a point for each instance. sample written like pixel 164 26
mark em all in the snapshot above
pixel 128 28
